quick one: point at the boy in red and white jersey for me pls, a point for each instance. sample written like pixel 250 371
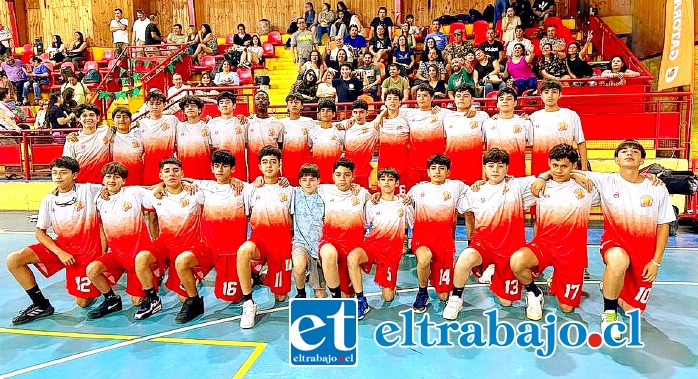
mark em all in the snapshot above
pixel 508 132
pixel 269 208
pixel 498 206
pixel 394 139
pixel 389 219
pixel 552 126
pixel 127 145
pixel 262 130
pixel 230 133
pixel 437 205
pixel 126 234
pixel 296 145
pixel 561 240
pixel 91 149
pixel 70 211
pixel 159 134
pixel 178 215
pixel 194 139
pixel 360 138
pixel 326 140
pixel 343 229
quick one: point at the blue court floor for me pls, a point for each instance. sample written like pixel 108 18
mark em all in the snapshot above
pixel 67 345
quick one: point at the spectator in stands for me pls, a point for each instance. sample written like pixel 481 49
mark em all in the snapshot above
pixel 307 87
pixel 618 69
pixel 509 23
pixel 69 103
pixel 356 21
pixel 380 45
pixel 331 55
pixel 557 43
pixel 139 25
pixel 456 49
pixel 519 69
pixel 5 38
pixel 341 59
pixel 15 73
pixel 371 75
pixel 207 95
pixel 309 16
pixel 429 45
pixel 414 30
pixel 423 71
pixel 56 51
pixel 315 64
pixel 543 9
pixel 38 77
pixel 384 20
pixel 77 86
pixel 6 83
pixel 325 90
pixel 174 94
pixel 434 81
pixel 253 54
pixel 242 38
pixel 78 50
pixel 192 39
pixel 403 56
pixel 324 22
pixel 176 35
pixel 463 73
pixel 519 39
pixel 577 67
pixel 500 8
pixel 339 27
pixel 341 7
pixel 405 31
pixel 356 41
pixel 302 43
pixel 40 119
pixel 225 77
pixel 550 66
pixel 492 47
pixel 119 30
pixel 7 117
pixel 153 37
pixel 486 73
pixel 208 43
pixel 438 36
pixel 348 88
pixel 57 117
pixel 522 9
pixel 394 80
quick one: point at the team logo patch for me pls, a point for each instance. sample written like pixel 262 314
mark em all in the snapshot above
pixel 165 126
pixel 646 201
pixel 399 127
pixel 238 130
pixel 433 118
pixel 283 197
pixel 205 132
pixel 482 200
pixel 400 212
pixel 354 201
pixel 105 140
pixel 505 189
pixel 271 132
pixel 517 128
pixel 184 202
pixel 447 195
pixel 364 130
pixel 473 124
pixel 333 138
pixel 562 126
pixel 616 195
pixel 579 193
pixel 127 206
pixel 79 206
pixel 135 144
pixel 305 131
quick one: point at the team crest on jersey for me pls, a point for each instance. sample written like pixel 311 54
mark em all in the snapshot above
pixel 105 140
pixel 505 189
pixel 79 206
pixel 354 201
pixel 473 124
pixel 399 127
pixel 579 193
pixel 283 197
pixel 482 200
pixel 433 118
pixel 517 128
pixel 562 126
pixel 616 195
pixel 204 132
pixel 127 206
pixel 165 126
pixel 238 130
pixel 271 132
pixel 447 195
pixel 646 201
pixel 305 131
pixel 400 212
pixel 364 130
pixel 184 202
pixel 333 138
pixel 135 144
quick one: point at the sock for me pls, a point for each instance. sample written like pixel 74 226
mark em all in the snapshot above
pixel 336 292
pixel 37 297
pixel 150 294
pixel 457 291
pixel 360 294
pixel 423 289
pixel 301 292
pixel 532 287
pixel 109 295
pixel 246 297
pixel 610 305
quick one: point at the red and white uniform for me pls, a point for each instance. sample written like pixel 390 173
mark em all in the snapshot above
pixel 464 143
pixel 393 148
pixel 344 225
pixel 510 135
pixel 561 240
pixel 224 227
pixel 388 221
pixel 127 148
pixel 229 134
pixel 436 209
pixel 327 146
pixel 73 217
pixel 296 146
pixel 126 233
pixel 159 138
pixel 499 230
pixel 359 143
pixel 92 153
pixel 631 213
pixel 261 132
pixel 551 129
pixel 269 208
pixel 427 138
pixel 194 149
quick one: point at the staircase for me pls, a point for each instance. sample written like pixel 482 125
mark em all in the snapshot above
pixel 282 74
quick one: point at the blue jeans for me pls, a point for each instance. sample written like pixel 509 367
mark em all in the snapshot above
pixel 322 30
pixel 499 7
pixel 489 87
pixel 525 84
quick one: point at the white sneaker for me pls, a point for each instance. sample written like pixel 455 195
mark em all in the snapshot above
pixel 249 312
pixel 607 318
pixel 453 308
pixel 534 306
pixel 486 277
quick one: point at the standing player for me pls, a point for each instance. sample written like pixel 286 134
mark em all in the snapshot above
pixel 343 229
pixel 437 205
pixel 296 148
pixel 499 216
pixel 269 208
pixel 262 130
pixel 127 145
pixel 383 247
pixel 159 135
pixel 360 140
pixel 509 132
pixel 70 211
pixel 394 139
pixel 561 240
pixel 229 133
pixel 91 149
pixel 326 140
pixel 194 139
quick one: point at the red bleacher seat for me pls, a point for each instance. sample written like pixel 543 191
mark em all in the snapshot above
pixel 530 32
pixel 456 26
pixel 30 115
pixel 27 52
pixel 208 63
pixel 492 94
pixel 245 75
pixel 498 29
pixel 210 109
pixel 107 55
pixel 69 65
pixel 11 155
pixel 229 39
pixel 274 38
pixel 44 56
pixel 91 65
pixel 111 64
pixel 269 51
pixel 480 31
pixel 45 154
pixel 557 21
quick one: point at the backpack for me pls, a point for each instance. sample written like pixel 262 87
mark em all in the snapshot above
pixel 233 57
pixel 92 76
pixel 475 15
pixel 488 13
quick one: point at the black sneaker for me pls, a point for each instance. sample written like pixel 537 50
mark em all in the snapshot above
pixel 258 279
pixel 191 309
pixel 33 312
pixel 110 305
pixel 147 308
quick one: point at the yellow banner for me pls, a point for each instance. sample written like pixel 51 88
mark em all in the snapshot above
pixel 677 66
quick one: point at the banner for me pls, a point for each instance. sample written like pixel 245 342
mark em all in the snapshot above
pixel 677 65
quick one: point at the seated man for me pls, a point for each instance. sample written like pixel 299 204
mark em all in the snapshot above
pixel 371 76
pixel 395 81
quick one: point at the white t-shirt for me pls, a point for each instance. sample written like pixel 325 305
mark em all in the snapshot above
pixel 139 29
pixel 120 36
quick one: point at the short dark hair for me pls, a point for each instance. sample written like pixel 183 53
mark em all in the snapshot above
pixel 121 110
pixel 4 91
pixel 632 144
pixel 35 59
pixel 425 88
pixel 439 159
pixel 465 88
pixel 507 90
pixel 224 157
pixel 327 103
pixel 518 27
pixel 550 84
pixel 115 168
pixel 170 160
pixel 388 171
pixel 177 26
pixel 409 16
pixel 118 9
pixel 342 162
pixel 189 99
pixel 241 25
pixel 66 162
pixel 227 95
pixel 309 169
pixel 269 150
pixel 495 155
pixel 382 9
pixel 394 65
pixel 294 96
pixel 156 95
pixel 394 92
pixel 345 65
pixel 359 104
pixel 86 107
pixel 562 151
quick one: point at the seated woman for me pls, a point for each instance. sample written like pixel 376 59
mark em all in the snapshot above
pixel 403 56
pixel 341 59
pixel 58 117
pixel 618 69
pixel 435 82
pixel 429 45
pixel 241 38
pixel 253 54
pixel 324 22
pixel 422 75
pixel 315 63
pixel 405 31
pixel 486 73
pixel 39 76
pixel 56 52
pixel 519 68
pixel 340 26
pixel 78 50
pixel 379 46
pixel 325 90
pixel 192 39
pixel 226 77
pixel 307 87
pixel 208 44
pixel 577 67
pixel 550 66
pixel 207 95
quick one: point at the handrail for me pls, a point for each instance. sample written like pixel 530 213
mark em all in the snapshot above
pixel 598 39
